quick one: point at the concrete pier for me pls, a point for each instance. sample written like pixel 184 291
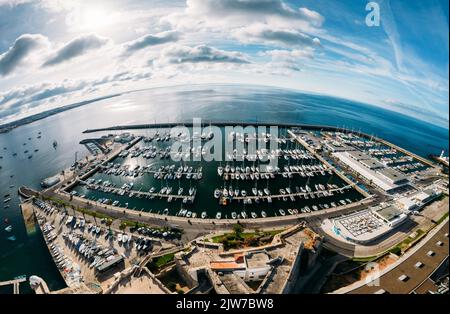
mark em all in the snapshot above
pixel 15 283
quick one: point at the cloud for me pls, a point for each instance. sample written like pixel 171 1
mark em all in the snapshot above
pixel 21 49
pixel 76 48
pixel 288 54
pixel 254 8
pixel 225 15
pixel 266 34
pixel 151 40
pixel 202 53
pixel 24 98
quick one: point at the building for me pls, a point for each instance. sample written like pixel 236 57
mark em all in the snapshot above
pixel 418 200
pixel 386 179
pixel 250 266
pixel 391 215
pixel 393 176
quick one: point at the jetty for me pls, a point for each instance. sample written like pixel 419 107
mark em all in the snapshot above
pixel 15 282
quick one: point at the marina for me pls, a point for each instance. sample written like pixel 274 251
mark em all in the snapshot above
pixel 146 176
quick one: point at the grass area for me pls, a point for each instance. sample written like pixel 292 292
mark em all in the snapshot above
pixel 157 264
pixel 407 243
pixel 367 259
pixel 440 220
pixel 234 240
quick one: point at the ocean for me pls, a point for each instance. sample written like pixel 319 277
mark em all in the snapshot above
pixel 27 255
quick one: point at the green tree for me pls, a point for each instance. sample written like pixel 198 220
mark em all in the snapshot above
pixel 238 229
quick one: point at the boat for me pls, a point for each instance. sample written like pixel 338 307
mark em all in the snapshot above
pixel 233 215
pixel 119 238
pixel 218 215
pixel 203 215
pixel 8 228
pixel 12 238
pixel 216 193
pixel 243 214
pixel 263 214
pixel 7 200
pixel 254 215
pixel 282 212
pixel 180 191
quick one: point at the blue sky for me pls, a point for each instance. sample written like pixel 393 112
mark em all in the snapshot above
pixel 55 52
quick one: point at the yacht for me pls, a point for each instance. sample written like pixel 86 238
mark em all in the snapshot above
pixel 218 215
pixel 263 214
pixel 282 213
pixel 233 215
pixel 254 215
pixel 243 214
pixel 203 215
pixel 216 193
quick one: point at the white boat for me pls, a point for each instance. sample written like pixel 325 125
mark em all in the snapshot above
pixel 203 215
pixel 282 212
pixel 218 215
pixel 263 214
pixel 233 215
pixel 254 215
pixel 243 214
pixel 216 193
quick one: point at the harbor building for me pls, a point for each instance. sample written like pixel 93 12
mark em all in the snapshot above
pixel 386 179
pixel 365 226
pixel 417 200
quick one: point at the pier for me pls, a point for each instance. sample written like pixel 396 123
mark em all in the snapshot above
pixel 15 283
pixel 342 176
pixel 118 191
pixel 300 194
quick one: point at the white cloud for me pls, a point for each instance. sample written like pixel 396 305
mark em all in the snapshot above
pixel 201 54
pixel 263 33
pixel 75 48
pixel 22 48
pixel 150 40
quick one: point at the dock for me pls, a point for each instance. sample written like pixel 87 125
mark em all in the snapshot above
pixel 323 160
pixel 28 217
pixel 15 283
pixel 301 194
pixel 140 193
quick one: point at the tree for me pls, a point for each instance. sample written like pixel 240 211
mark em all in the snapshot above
pixel 238 229
pixel 94 215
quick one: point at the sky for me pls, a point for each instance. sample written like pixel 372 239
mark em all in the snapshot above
pixel 57 52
